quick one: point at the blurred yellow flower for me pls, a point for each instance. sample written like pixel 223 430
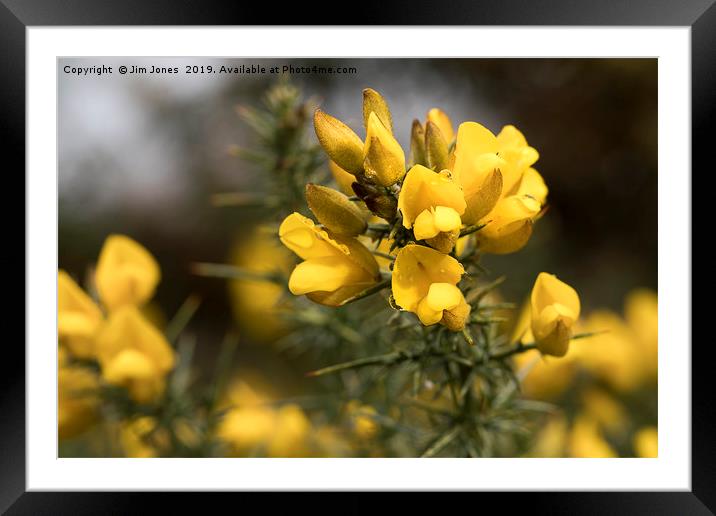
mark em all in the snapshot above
pixel 253 427
pixel 334 268
pixel 551 439
pixel 141 439
pixel 509 225
pixel 335 211
pixel 362 421
pixel 77 399
pixel 611 355
pixel 641 311
pixel 78 317
pixel 255 302
pixel 586 441
pixel 431 204
pixel 555 308
pixel 127 273
pixel 604 409
pixel 134 354
pixel 646 442
pixel 544 377
pixel 291 431
pixel 424 282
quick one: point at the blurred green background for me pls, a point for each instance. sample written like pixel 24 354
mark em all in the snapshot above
pixel 142 154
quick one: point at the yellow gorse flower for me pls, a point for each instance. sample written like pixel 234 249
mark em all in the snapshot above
pixel 78 317
pixel 555 308
pixel 77 400
pixel 646 442
pixel 127 273
pixel 380 159
pixel 509 225
pixel 477 167
pixel 586 441
pixel 252 426
pixel 255 301
pixel 334 269
pixel 431 204
pixel 424 282
pixel 134 354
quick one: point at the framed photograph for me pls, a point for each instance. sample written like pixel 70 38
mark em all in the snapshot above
pixel 358 258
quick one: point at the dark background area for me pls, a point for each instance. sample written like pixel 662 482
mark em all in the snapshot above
pixel 141 155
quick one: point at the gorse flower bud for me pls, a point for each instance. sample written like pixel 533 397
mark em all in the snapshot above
pixel 342 145
pixel 384 158
pixel 417 144
pixel 78 317
pixel 335 211
pixel 134 354
pixel 431 204
pixel 436 148
pixel 442 121
pixel 424 282
pixel 555 308
pixel 127 273
pixel 334 269
pixel 373 102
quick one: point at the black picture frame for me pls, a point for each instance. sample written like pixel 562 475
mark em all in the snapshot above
pixel 17 15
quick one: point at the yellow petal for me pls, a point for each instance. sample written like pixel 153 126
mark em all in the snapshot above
pixel 533 185
pixel 324 274
pixel 424 226
pixel 482 186
pixel 436 220
pixel 548 290
pixel 424 189
pixel 344 179
pixel 301 236
pixel 427 315
pixel 416 267
pixel 443 296
pixel 440 119
pixel 509 225
pixel 472 141
pixel 127 273
pixel 513 148
pixel 342 145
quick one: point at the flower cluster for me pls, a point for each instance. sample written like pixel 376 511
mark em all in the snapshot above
pixel 462 193
pixel 130 351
